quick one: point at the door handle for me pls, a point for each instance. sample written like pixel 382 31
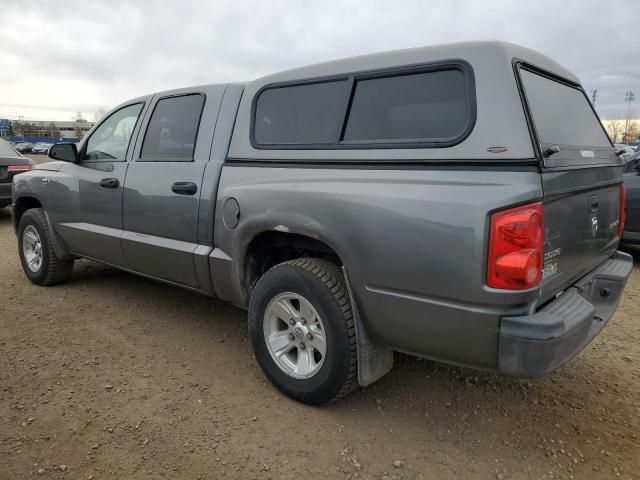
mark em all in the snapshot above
pixel 109 183
pixel 184 188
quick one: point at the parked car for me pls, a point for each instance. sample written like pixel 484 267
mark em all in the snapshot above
pixel 425 201
pixel 631 234
pixel 11 163
pixel 41 147
pixel 625 149
pixel 24 147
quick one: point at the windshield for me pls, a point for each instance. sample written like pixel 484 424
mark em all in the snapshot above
pixel 6 150
pixel 562 114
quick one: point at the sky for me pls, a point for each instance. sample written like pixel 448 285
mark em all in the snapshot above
pixel 59 57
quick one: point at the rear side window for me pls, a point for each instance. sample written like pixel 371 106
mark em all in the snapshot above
pixel 418 107
pixel 561 113
pixel 300 114
pixel 173 128
pixel 424 106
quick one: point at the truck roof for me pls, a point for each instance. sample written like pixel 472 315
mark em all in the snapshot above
pixel 472 52
pixel 500 119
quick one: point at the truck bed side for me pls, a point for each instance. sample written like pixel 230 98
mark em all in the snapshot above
pixel 407 239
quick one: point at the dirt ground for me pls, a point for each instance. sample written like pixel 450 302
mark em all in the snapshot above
pixel 113 376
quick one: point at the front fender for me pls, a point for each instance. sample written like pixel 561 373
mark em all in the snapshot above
pixel 26 190
pixel 29 190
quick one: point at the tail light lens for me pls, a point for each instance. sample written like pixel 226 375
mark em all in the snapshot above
pixel 516 240
pixel 622 215
pixel 19 168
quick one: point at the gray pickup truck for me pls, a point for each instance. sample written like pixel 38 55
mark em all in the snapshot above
pixel 458 202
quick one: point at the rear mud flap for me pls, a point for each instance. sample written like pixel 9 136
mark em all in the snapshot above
pixel 374 360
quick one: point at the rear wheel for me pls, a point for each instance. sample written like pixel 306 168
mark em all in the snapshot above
pixel 302 330
pixel 39 260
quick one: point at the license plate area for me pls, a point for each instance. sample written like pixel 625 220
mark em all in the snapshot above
pixel 604 295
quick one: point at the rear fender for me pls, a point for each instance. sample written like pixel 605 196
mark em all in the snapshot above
pixel 258 223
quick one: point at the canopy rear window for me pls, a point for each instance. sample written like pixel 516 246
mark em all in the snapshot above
pixel 561 113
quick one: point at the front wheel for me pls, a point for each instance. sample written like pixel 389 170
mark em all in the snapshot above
pixel 39 260
pixel 302 330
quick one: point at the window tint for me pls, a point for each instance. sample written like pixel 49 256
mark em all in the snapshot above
pixel 301 114
pixel 173 128
pixel 111 139
pixel 562 114
pixel 422 106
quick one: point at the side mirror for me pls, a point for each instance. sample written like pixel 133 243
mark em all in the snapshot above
pixel 67 152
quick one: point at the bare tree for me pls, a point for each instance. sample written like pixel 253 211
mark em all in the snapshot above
pixel 614 127
pixel 77 130
pixel 633 131
pixel 98 114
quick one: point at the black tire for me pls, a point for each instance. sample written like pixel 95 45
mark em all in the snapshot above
pixel 52 270
pixel 322 284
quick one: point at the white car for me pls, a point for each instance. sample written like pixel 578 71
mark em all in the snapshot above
pixel 41 147
pixel 627 150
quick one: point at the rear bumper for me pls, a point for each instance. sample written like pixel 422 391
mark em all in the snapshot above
pixel 533 345
pixel 631 237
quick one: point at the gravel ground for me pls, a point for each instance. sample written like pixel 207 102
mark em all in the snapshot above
pixel 114 376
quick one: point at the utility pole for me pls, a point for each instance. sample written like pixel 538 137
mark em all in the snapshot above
pixel 594 95
pixel 629 97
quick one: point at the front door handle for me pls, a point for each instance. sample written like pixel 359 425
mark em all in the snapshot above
pixel 184 188
pixel 109 183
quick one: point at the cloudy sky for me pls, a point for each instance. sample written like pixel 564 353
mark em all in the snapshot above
pixel 59 57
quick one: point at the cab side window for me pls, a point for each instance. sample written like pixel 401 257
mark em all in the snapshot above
pixel 111 139
pixel 173 129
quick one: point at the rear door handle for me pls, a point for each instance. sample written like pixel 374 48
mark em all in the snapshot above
pixel 184 188
pixel 109 183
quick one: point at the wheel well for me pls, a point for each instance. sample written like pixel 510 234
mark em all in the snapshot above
pixel 271 248
pixel 21 206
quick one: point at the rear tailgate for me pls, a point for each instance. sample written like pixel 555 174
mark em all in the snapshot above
pixel 581 178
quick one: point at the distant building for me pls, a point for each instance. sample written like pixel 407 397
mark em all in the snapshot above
pixel 52 128
pixel 69 129
pixel 5 127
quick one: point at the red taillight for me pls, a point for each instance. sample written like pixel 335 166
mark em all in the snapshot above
pixel 516 240
pixel 621 214
pixel 19 168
